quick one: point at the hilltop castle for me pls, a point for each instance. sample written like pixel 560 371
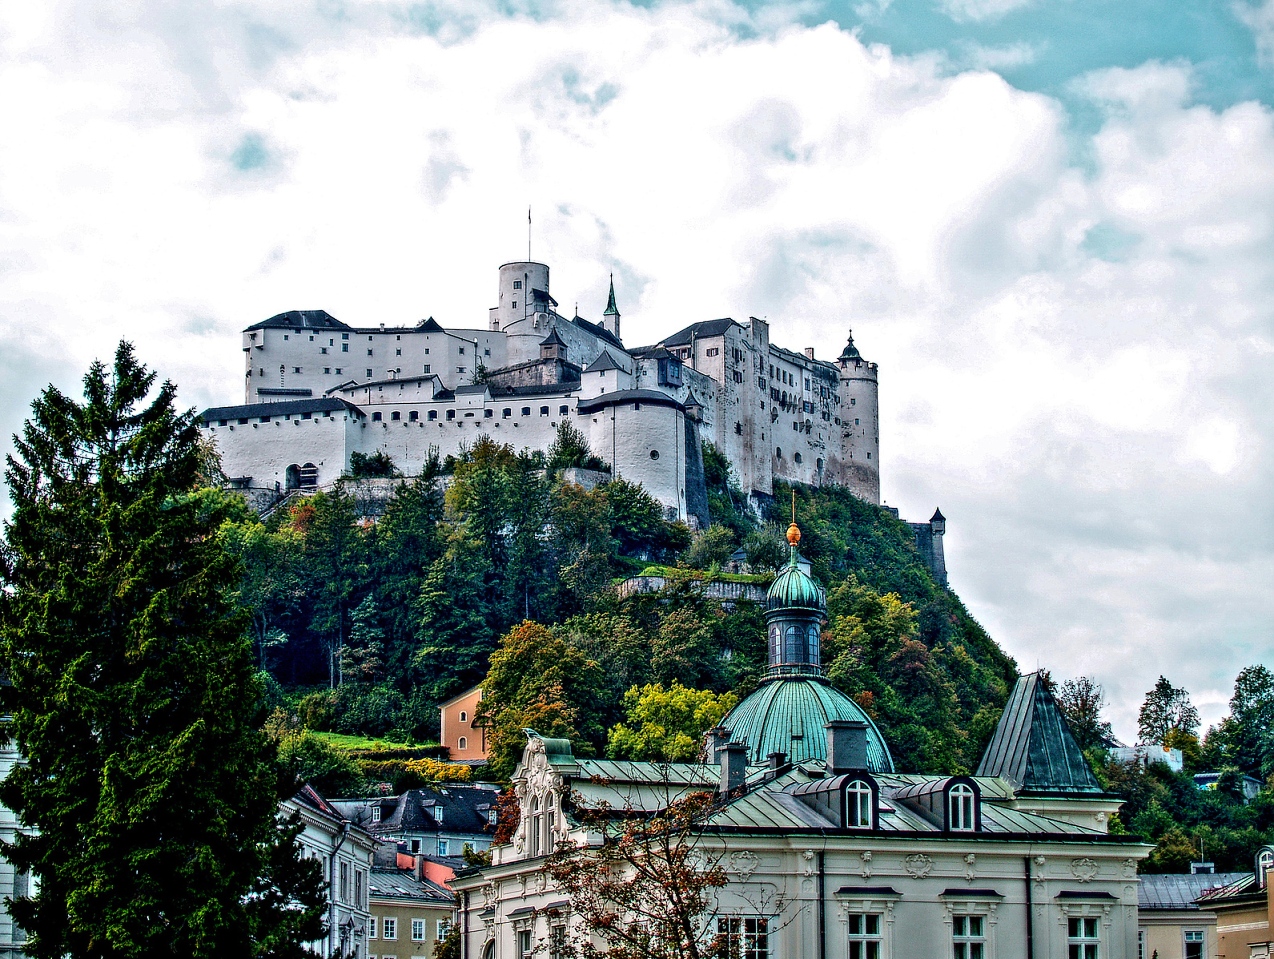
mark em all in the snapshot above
pixel 317 391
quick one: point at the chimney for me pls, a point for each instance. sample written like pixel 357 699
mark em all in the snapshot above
pixel 809 352
pixel 777 760
pixel 846 745
pixel 734 767
pixel 713 740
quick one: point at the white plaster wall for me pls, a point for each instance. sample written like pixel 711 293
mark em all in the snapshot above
pixel 626 437
pixel 11 936
pixel 860 430
pixel 264 450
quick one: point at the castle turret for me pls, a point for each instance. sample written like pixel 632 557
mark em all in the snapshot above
pixel 860 423
pixel 610 316
pixel 524 291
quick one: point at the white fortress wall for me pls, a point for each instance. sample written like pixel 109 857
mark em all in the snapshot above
pixel 264 444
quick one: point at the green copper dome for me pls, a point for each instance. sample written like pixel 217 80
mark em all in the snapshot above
pixel 788 715
pixel 793 588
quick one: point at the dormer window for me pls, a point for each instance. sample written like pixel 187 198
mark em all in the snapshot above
pixel 1264 863
pixel 860 805
pixel 962 807
pixel 375 814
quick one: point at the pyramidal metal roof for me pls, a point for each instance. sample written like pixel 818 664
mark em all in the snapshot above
pixel 1034 748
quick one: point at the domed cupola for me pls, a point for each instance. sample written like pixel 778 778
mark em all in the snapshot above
pixel 787 713
pixel 794 608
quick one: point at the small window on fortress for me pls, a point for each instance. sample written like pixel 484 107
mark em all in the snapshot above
pixel 515 304
pixel 369 374
pixel 507 413
pixel 413 416
pixel 517 284
pixel 738 429
pixel 376 417
pixel 395 416
pixel 714 351
pixel 855 420
pixel 778 451
pixel 563 410
pixel 544 411
pixel 433 415
pixel 398 352
pixel 338 371
pixel 487 414
pixel 263 419
pixel 796 457
pixel 654 454
pixel 296 369
pixel 526 411
pixel 853 401
pixel 462 351
pixel 327 370
pixel 311 339
pixel 285 336
pixel 344 347
pixel 818 463
pixel 221 422
pixel 243 422
pixel 344 336
pixel 369 351
pixel 451 414
pixel 426 367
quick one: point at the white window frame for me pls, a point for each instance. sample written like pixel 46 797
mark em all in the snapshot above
pixel 864 936
pixel 854 804
pixel 973 905
pixel 753 943
pixel 962 808
pixel 418 925
pixel 1199 937
pixel 389 929
pixel 375 813
pixel 849 904
pixel 371 928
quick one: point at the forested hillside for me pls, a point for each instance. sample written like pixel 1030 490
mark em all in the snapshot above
pixel 403 612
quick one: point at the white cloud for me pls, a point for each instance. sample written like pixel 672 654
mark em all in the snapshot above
pixel 965 10
pixel 1075 361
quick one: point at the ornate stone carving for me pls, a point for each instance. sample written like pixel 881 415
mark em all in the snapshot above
pixel 918 865
pixel 1084 870
pixel 970 867
pixel 744 862
pixel 1129 868
pixel 1040 863
pixel 865 857
pixel 808 858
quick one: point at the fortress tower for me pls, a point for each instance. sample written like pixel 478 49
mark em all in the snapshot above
pixel 860 422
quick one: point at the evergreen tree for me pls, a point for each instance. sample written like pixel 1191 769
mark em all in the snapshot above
pixel 1167 709
pixel 149 788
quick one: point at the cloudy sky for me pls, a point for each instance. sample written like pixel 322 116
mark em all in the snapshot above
pixel 1049 221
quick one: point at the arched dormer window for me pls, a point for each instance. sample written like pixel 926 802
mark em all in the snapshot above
pixel 1264 863
pixel 533 828
pixel 860 803
pixel 963 814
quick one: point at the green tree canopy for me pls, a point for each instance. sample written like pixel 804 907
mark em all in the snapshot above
pixel 149 788
pixel 1167 708
pixel 667 724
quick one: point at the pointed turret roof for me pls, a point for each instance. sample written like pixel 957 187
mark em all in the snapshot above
pixel 937 516
pixel 603 363
pixel 692 401
pixel 552 339
pixel 1033 747
pixel 611 308
pixel 850 352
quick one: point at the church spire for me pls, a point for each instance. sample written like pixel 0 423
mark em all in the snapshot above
pixel 610 316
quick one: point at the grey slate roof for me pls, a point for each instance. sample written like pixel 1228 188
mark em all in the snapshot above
pixel 294 407
pixel 628 396
pixel 603 363
pixel 395 883
pixel 1033 746
pixel 1180 891
pixel 301 320
pixel 698 331
pixel 1244 887
pixel 464 810
pixel 599 331
pixel 552 339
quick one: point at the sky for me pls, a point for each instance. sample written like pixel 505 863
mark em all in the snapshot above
pixel 1048 222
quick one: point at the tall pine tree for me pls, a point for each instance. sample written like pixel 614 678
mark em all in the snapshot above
pixel 151 792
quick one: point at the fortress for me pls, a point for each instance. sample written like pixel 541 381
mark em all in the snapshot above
pixel 317 391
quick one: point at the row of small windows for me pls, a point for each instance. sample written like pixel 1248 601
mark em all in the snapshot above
pixel 748 937
pixel 388 928
pixel 958 812
pixel 414 415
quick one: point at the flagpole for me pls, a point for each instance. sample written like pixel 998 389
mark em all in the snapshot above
pixel 528 234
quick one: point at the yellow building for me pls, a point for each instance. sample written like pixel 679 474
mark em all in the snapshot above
pixel 1171 925
pixel 409 914
pixel 1243 912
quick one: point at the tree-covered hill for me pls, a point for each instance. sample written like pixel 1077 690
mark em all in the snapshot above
pixel 403 612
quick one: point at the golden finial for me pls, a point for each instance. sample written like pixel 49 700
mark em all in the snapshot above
pixel 793 531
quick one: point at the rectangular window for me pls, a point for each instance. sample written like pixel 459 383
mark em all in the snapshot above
pixel 415 843
pixel 369 351
pixel 747 937
pixel 389 928
pixel 375 814
pixel 344 336
pixel 517 284
pixel 358 888
pixel 323 349
pixel 444 847
pixel 1083 940
pixel 344 347
pixel 525 948
pixel 969 935
pixel 1194 944
pixel 713 351
pixel 398 352
pixel 1141 944
pixel 459 369
pixel 338 371
pixel 864 936
pixel 558 948
pixel 344 882
pixel 417 930
pixel 426 367
pixel 327 370
pixel 369 374
pixel 462 351
pixel 442 928
pixel 371 928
